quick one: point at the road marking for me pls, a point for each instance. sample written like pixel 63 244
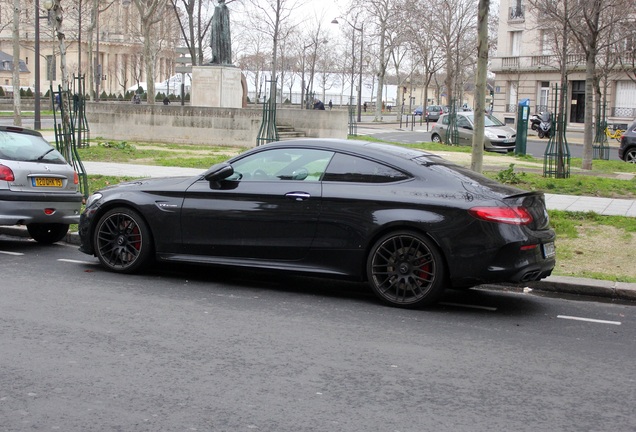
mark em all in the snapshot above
pixel 589 320
pixel 75 261
pixel 488 308
pixel 10 253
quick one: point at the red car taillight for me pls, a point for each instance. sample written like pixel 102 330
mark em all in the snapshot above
pixel 507 215
pixel 6 174
pixel 75 178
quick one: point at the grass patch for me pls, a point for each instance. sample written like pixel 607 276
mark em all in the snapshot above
pixel 177 155
pixel 594 246
pixel 576 184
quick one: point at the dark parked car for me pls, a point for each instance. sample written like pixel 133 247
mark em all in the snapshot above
pixel 408 222
pixel 38 188
pixel 627 150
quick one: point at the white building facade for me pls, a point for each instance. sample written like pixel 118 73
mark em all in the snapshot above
pixel 109 56
pixel 526 66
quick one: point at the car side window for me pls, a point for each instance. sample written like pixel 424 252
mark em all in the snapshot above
pixel 463 122
pixel 347 168
pixel 445 120
pixel 295 164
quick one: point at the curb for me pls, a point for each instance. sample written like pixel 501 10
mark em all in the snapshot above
pixel 555 284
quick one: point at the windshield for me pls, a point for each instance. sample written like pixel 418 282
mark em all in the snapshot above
pixel 27 148
pixel 488 120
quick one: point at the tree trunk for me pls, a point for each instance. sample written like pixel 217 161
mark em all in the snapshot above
pixel 480 86
pixel 17 106
pixel 381 74
pixel 590 72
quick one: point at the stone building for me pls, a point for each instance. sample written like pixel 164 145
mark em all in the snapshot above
pixel 527 66
pixel 108 50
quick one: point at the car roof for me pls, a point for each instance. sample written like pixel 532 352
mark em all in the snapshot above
pixel 18 129
pixel 374 150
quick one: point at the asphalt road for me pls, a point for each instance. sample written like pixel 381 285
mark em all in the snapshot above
pixel 186 348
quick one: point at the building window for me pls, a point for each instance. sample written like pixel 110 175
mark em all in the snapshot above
pixel 547 42
pixel 544 96
pixel 515 43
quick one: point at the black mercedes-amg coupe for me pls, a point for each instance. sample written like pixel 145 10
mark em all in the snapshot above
pixel 408 222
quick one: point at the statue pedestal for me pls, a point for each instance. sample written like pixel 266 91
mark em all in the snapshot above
pixel 216 86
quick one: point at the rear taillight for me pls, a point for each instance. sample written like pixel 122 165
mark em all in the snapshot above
pixel 507 215
pixel 6 174
pixel 75 178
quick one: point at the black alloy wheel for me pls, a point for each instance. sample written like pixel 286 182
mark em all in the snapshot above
pixel 122 240
pixel 47 233
pixel 406 270
pixel 630 156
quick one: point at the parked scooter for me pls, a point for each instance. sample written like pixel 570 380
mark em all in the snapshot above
pixel 535 120
pixel 545 126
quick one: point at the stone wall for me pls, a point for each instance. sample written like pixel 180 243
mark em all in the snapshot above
pixel 203 125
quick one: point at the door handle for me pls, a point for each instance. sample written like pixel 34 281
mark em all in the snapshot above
pixel 298 196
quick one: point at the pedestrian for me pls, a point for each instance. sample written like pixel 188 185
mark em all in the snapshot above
pixel 365 107
pixel 318 105
pixel 330 105
pixel 58 102
pixel 166 101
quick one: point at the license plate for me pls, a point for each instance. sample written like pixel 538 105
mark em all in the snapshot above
pixel 511 140
pixel 548 250
pixel 47 182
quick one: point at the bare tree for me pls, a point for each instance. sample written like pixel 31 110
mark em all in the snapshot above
pixel 480 86
pixel 455 23
pixel 382 21
pixel 151 12
pixel 275 19
pixel 423 43
pixel 194 21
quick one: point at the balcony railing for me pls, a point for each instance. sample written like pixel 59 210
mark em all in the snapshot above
pixel 516 14
pixel 536 63
pixel 621 112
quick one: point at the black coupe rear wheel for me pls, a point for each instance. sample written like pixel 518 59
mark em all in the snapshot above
pixel 406 270
pixel 122 240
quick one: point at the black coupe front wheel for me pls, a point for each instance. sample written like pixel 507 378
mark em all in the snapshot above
pixel 122 240
pixel 405 269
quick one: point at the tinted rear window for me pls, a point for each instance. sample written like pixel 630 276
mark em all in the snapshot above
pixel 27 148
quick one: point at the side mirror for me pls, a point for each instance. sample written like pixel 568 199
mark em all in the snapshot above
pixel 218 172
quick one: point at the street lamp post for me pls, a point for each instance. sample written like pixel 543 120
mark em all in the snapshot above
pixel 361 30
pixel 48 4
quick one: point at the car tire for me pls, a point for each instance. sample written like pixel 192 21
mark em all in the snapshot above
pixel 436 138
pixel 122 241
pixel 47 233
pixel 630 155
pixel 405 269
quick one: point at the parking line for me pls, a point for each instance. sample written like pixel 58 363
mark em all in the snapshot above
pixel 589 320
pixel 75 261
pixel 488 308
pixel 11 253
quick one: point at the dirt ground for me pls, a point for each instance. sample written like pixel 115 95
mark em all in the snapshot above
pixel 602 249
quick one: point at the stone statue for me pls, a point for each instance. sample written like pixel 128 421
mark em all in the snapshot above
pixel 220 40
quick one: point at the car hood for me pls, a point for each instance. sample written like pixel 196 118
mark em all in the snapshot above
pixel 152 184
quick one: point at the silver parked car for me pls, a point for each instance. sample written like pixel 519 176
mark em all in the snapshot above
pixel 38 188
pixel 498 137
